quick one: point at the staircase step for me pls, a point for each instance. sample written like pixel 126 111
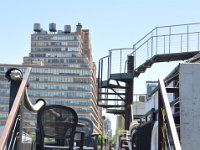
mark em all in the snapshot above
pixel 103 84
pixel 172 90
pixel 122 76
pixel 142 68
pixel 138 116
pixel 148 63
pixel 109 93
pixel 115 111
pixel 176 114
pixel 163 58
pixel 178 127
pixel 110 106
pixel 106 99
pixel 106 84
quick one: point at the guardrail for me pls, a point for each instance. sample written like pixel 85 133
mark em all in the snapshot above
pixel 167 40
pixel 167 133
pixel 170 39
pixel 115 62
pixel 10 138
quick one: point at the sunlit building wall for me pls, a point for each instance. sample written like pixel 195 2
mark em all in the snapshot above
pixel 63 72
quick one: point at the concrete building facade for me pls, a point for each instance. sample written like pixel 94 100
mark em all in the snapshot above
pixel 63 72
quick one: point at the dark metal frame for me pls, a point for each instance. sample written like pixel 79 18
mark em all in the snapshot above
pixel 40 137
pixel 165 117
pixel 18 95
pixel 90 140
pixel 149 47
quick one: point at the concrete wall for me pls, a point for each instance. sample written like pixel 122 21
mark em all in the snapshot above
pixel 190 106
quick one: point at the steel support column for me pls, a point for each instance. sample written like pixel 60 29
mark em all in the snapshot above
pixel 129 93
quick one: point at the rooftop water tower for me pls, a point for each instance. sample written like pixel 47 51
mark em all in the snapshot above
pixel 52 27
pixel 67 29
pixel 37 27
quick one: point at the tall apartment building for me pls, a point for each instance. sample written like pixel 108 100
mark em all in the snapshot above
pixel 63 72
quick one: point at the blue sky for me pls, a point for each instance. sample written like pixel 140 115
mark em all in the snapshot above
pixel 112 23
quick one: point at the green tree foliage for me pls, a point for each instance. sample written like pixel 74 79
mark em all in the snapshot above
pixel 100 139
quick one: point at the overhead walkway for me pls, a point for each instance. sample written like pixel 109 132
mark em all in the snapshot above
pixel 117 70
pixel 163 58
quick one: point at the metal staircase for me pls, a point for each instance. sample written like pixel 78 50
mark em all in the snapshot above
pixel 117 70
pixel 163 58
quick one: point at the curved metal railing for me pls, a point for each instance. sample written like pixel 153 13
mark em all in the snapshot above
pixel 33 108
pixel 10 136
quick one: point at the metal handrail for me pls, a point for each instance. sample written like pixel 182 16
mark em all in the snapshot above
pixel 21 95
pixel 105 70
pixel 166 36
pixel 33 108
pixel 165 105
pixel 150 33
pixel 13 113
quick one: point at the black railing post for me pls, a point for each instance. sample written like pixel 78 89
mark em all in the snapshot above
pixel 14 75
pixel 15 82
pixel 129 93
pixel 160 120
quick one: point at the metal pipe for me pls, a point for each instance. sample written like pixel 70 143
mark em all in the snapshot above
pixel 185 24
pixel 156 40
pixel 120 61
pixel 151 46
pixel 148 50
pixel 198 42
pixel 181 43
pixel 169 39
pixel 164 44
pixel 187 38
pixel 33 108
